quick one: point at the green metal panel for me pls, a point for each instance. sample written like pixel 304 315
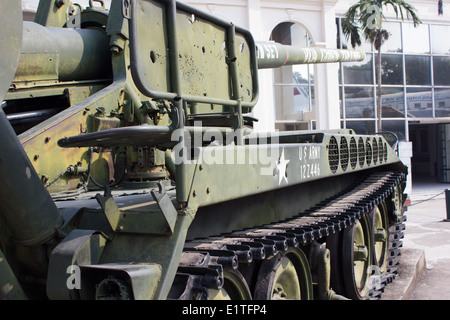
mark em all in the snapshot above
pixel 25 205
pixel 53 13
pixel 10 288
pixel 80 247
pixel 257 168
pixel 194 55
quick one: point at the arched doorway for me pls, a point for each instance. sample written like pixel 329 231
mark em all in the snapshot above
pixel 293 85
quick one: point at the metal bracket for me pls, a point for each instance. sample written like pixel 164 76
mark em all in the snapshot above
pixel 126 9
pixel 133 281
pixel 110 208
pixel 80 247
pixel 160 219
pixel 165 205
pixel 102 3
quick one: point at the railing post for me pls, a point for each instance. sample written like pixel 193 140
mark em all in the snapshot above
pixel 447 204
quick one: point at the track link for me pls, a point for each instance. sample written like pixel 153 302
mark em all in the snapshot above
pixel 203 260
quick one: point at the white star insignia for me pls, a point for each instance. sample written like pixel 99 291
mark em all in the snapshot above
pixel 280 168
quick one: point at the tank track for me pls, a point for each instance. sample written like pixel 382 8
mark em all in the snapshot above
pixel 396 234
pixel 203 260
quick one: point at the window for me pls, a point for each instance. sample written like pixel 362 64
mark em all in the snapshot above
pixel 359 102
pixel 419 103
pixel 346 44
pixel 391 69
pixel 395 126
pixel 415 79
pixel 441 71
pixel 417 70
pixel 442 102
pixel 393 102
pixel 359 72
pixel 362 127
pixel 440 39
pixel 394 42
pixel 415 39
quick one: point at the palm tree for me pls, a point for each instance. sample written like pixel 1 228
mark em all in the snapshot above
pixel 367 16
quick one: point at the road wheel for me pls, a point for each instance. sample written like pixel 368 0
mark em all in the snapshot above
pixel 285 276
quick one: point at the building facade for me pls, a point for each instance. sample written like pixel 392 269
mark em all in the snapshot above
pixel 415 78
pixel 415 87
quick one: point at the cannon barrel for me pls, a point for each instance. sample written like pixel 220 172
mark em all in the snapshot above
pixel 11 38
pixel 63 54
pixel 274 55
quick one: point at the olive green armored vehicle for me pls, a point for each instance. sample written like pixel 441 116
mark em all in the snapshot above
pixel 130 169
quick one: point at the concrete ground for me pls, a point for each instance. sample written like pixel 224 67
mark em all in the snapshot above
pixel 425 261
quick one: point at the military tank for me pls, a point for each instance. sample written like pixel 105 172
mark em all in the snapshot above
pixel 130 168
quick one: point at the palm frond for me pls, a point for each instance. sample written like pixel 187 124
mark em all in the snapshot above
pixel 399 6
pixel 359 18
